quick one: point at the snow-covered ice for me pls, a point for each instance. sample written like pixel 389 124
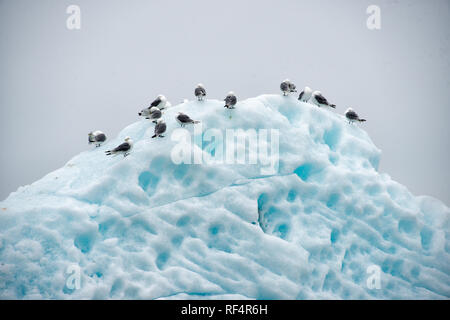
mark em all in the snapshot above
pixel 143 227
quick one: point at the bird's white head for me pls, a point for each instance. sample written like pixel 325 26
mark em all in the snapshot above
pixel 160 121
pixel 127 139
pixel 200 85
pixel 348 110
pixel 286 80
pixel 161 97
pixel 153 109
pixel 231 93
pixel 317 93
pixel 308 89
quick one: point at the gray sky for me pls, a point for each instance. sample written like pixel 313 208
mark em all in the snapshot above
pixel 53 79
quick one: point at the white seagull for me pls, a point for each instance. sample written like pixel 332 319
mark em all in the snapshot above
pixel 319 100
pixel 352 116
pixel 200 92
pixel 184 119
pixel 123 148
pixel 96 137
pixel 284 86
pixel 305 95
pixel 160 128
pixel 230 100
pixel 160 102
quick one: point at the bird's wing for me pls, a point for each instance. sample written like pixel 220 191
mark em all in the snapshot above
pixel 184 118
pixel 301 95
pixel 123 147
pixel 284 86
pixel 321 99
pixel 155 102
pixel 100 137
pixel 352 115
pixel 160 128
pixel 200 91
pixel 156 114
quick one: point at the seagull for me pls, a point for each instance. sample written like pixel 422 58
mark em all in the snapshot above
pixel 352 116
pixel 160 128
pixel 285 87
pixel 184 119
pixel 160 102
pixel 319 100
pixel 155 114
pixel 230 100
pixel 123 148
pixel 305 95
pixel 152 113
pixel 200 92
pixel 96 137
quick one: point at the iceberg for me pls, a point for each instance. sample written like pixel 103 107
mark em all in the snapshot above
pixel 305 215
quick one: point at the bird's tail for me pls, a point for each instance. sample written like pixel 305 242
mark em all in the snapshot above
pixel 333 106
pixel 195 121
pixel 108 153
pixel 362 120
pixel 154 136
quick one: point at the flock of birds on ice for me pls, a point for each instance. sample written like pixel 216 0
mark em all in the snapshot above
pixel 154 113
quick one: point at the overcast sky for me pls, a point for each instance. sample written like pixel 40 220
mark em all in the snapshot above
pixel 57 84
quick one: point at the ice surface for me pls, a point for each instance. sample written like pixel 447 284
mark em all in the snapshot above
pixel 143 227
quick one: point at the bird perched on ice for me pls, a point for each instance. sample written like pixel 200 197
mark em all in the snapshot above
pixel 230 100
pixel 352 116
pixel 200 92
pixel 184 119
pixel 155 114
pixel 305 95
pixel 123 148
pixel 96 137
pixel 318 99
pixel 285 87
pixel 160 102
pixel 152 113
pixel 160 128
